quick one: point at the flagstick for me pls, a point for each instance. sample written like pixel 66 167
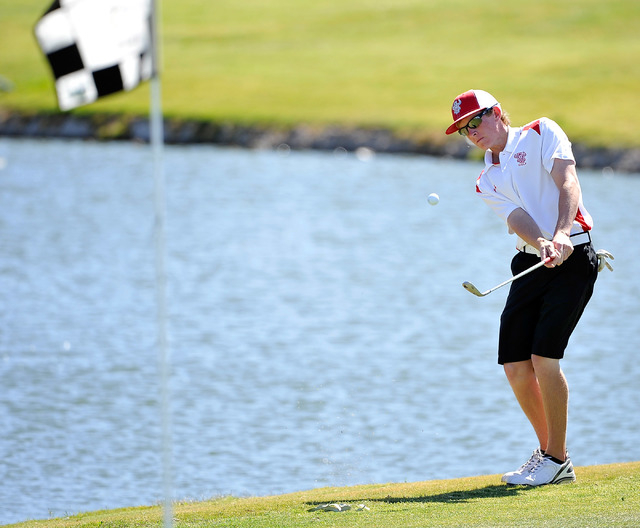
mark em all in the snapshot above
pixel 157 145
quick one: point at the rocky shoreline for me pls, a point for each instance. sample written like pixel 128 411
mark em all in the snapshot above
pixel 182 131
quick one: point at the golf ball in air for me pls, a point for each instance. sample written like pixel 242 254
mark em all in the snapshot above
pixel 433 198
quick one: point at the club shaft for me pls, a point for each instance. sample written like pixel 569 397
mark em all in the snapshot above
pixel 472 289
pixel 522 274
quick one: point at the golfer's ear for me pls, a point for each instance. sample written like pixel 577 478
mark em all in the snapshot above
pixel 497 111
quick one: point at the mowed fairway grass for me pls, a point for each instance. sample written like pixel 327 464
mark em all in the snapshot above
pixel 394 64
pixel 604 496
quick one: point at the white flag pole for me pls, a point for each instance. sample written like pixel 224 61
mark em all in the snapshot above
pixel 157 145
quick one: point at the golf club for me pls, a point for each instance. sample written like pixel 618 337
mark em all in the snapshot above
pixel 471 288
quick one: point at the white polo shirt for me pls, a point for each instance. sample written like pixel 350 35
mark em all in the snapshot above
pixel 523 177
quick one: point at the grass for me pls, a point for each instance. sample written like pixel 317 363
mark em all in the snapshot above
pixel 395 64
pixel 604 496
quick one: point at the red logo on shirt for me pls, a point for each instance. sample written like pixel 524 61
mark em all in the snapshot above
pixel 521 157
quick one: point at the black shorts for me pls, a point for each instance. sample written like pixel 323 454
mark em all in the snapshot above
pixel 544 307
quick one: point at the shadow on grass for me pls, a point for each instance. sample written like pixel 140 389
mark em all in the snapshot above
pixel 451 497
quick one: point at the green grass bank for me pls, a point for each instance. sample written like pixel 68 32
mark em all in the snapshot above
pixel 604 496
pixel 391 64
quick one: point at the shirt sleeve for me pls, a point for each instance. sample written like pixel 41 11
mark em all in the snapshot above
pixel 555 143
pixel 500 204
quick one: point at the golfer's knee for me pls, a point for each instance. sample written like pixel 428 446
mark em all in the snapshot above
pixel 519 372
pixel 543 365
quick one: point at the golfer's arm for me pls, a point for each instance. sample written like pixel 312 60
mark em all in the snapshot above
pixel 525 227
pixel 566 179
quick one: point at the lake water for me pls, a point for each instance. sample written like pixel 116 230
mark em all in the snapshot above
pixel 319 331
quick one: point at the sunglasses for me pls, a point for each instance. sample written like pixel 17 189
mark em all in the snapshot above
pixel 474 122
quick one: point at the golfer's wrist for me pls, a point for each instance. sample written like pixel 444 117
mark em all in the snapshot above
pixel 540 242
pixel 562 233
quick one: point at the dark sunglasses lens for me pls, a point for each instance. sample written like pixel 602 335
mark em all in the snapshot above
pixel 475 122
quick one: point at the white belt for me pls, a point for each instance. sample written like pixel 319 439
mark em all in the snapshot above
pixel 576 240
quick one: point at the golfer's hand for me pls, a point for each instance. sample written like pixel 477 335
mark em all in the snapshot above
pixel 547 249
pixel 563 247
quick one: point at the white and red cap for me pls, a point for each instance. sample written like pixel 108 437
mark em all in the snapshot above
pixel 469 103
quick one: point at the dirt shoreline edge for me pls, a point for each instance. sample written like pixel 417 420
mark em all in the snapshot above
pixel 114 127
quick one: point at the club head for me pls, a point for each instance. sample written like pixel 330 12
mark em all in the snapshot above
pixel 472 289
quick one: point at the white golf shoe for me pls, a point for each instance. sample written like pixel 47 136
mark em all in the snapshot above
pixel 518 476
pixel 546 471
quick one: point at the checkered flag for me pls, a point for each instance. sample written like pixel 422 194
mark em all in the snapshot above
pixel 96 47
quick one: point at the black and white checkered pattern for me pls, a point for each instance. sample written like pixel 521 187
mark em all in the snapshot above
pixel 96 47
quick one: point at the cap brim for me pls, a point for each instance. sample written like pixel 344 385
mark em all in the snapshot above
pixel 453 128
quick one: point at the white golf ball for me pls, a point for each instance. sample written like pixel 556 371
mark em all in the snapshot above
pixel 433 198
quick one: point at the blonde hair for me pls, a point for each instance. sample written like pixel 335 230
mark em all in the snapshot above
pixel 504 117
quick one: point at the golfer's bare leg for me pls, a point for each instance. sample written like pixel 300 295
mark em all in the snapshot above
pixel 524 384
pixel 555 398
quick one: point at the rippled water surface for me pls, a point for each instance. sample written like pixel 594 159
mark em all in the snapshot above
pixel 319 331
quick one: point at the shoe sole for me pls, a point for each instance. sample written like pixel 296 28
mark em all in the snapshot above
pixel 566 479
pixel 563 479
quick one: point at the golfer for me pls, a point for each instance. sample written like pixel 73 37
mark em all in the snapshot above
pixel 530 181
